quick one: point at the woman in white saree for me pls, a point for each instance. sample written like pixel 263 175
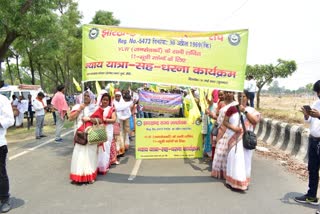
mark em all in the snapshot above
pixel 84 157
pixel 239 158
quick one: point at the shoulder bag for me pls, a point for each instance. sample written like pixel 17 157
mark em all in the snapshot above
pixel 249 138
pixel 80 137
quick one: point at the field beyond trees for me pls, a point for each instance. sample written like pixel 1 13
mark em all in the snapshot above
pixel 285 108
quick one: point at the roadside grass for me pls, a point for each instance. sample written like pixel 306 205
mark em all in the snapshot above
pixel 285 108
pixel 24 134
pixel 289 116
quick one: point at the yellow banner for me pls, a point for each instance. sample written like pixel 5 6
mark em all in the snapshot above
pixel 167 138
pixel 203 59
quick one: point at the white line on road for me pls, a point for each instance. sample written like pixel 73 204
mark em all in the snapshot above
pixel 135 170
pixel 36 147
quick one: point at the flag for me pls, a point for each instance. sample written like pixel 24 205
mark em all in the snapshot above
pixel 78 87
pixel 98 88
pixel 111 89
pixel 191 110
pixel 154 88
pixel 203 99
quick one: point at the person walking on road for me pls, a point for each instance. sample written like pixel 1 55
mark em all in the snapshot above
pixel 123 111
pixel 239 158
pixel 39 107
pixel 6 120
pixel 30 110
pixel 84 160
pixel 219 162
pixel 22 107
pixel 61 107
pixel 109 117
pixel 312 116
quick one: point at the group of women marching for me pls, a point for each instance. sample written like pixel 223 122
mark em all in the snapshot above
pixel 230 160
pixel 90 160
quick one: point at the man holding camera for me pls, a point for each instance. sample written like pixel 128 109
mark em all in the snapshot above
pixel 312 116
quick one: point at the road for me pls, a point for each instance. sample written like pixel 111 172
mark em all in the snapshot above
pixel 39 182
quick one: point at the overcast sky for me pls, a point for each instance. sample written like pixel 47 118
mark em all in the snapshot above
pixel 286 29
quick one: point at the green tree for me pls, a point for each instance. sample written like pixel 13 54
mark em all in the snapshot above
pixel 104 18
pixel 309 87
pixel 274 88
pixel 41 41
pixel 264 74
pixel 50 48
pixel 17 16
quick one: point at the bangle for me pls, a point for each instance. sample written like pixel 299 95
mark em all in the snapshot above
pixel 245 112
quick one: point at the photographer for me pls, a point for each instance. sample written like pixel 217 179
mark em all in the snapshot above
pixel 312 116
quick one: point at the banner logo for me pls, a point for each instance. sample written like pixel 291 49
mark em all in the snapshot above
pixel 93 33
pixel 234 39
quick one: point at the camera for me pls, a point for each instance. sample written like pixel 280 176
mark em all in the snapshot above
pixel 48 109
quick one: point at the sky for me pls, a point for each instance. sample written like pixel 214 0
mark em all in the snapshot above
pixel 286 29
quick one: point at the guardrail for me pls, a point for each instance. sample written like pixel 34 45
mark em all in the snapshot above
pixel 291 139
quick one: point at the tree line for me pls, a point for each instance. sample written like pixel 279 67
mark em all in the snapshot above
pixel 41 41
pixel 275 89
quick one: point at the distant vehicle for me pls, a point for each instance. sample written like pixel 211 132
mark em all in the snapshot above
pixel 21 89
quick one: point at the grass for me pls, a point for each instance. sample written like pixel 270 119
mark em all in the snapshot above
pixel 283 115
pixel 285 108
pixel 15 135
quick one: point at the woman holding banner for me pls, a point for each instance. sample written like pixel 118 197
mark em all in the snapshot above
pixel 206 131
pixel 219 162
pixel 215 115
pixel 239 158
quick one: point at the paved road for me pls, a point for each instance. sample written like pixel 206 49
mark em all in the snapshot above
pixel 39 181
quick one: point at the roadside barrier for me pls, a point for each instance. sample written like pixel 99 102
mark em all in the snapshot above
pixel 292 139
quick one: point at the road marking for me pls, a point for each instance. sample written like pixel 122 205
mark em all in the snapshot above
pixel 36 147
pixel 135 170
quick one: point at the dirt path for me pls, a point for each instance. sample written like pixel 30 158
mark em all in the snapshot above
pixel 288 162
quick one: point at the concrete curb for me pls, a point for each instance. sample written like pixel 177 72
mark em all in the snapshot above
pixel 291 139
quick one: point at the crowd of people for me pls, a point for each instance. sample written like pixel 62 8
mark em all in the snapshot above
pixel 90 160
pixel 230 160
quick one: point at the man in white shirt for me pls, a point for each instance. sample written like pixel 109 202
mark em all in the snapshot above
pixel 312 116
pixel 251 88
pixel 6 120
pixel 39 108
pixel 22 106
